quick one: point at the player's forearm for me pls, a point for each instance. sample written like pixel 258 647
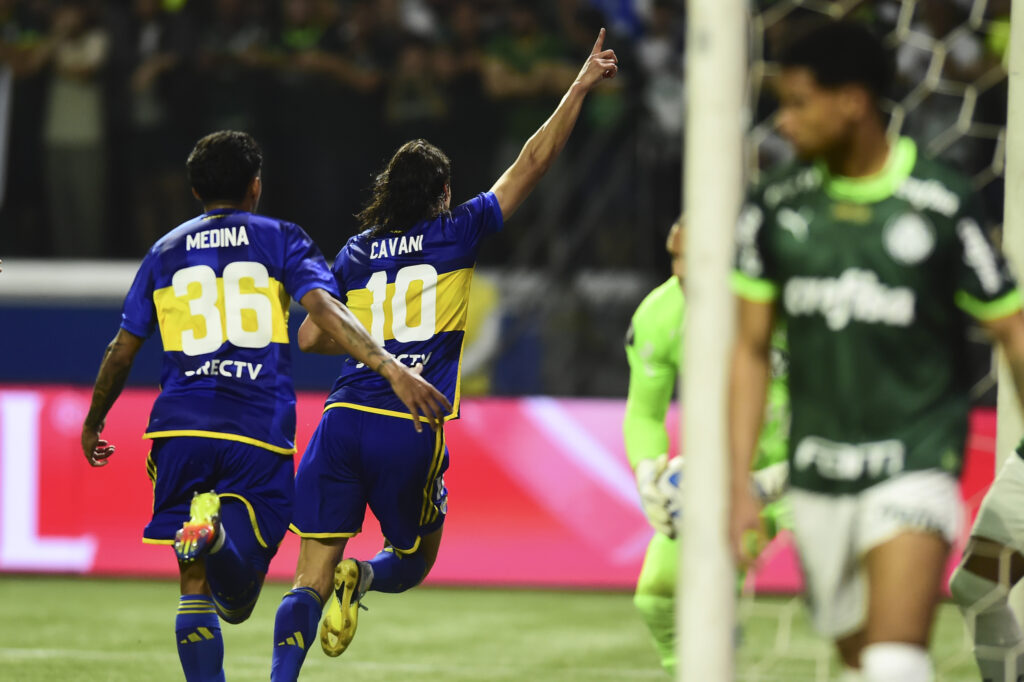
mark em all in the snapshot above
pixel 110 380
pixel 544 146
pixel 645 437
pixel 1014 351
pixel 748 383
pixel 643 425
pixel 312 339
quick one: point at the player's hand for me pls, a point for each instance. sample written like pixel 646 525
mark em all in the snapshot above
pixel 653 499
pixel 96 450
pixel 771 482
pixel 600 64
pixel 746 534
pixel 419 396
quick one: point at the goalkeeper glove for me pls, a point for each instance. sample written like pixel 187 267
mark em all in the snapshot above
pixel 653 497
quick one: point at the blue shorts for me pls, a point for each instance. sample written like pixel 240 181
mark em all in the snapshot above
pixel 358 458
pixel 256 488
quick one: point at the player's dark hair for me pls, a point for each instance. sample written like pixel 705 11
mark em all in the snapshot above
pixel 841 53
pixel 223 164
pixel 408 190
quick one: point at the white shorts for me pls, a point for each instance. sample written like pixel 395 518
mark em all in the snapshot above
pixel 834 532
pixel 1001 516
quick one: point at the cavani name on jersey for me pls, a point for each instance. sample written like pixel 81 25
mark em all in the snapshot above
pixel 411 292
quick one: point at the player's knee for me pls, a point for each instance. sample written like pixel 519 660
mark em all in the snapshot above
pixel 654 608
pixel 896 662
pixel 652 586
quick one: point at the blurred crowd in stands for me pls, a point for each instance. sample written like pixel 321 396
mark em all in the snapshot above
pixel 108 97
pixel 102 101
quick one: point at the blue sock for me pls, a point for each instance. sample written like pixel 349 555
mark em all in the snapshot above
pixel 393 572
pixel 294 631
pixel 235 584
pixel 200 646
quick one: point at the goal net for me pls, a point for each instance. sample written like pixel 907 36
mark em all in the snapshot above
pixel 951 97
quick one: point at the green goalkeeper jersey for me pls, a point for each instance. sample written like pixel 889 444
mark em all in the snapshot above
pixel 873 276
pixel 653 348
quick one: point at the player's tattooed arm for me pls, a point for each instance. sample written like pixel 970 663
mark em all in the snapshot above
pixel 313 339
pixel 329 317
pixel 332 329
pixel 114 369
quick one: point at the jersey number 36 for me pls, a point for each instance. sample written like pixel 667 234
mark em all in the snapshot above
pixel 246 319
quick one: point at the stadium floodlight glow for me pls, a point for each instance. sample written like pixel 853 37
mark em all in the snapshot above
pixel 716 68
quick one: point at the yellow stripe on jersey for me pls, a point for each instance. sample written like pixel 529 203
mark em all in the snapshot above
pixel 220 436
pixel 451 304
pixel 177 315
pixel 429 511
pixel 380 410
pixel 295 529
pixel 252 517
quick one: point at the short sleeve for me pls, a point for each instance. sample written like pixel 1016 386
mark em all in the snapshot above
pixel 985 288
pixel 305 268
pixel 752 277
pixel 138 315
pixel 478 217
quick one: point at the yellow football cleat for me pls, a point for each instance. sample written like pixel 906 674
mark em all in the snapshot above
pixel 202 531
pixel 352 579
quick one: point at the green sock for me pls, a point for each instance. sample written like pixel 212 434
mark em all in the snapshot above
pixel 659 614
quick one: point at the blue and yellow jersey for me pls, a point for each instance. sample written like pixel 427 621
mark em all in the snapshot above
pixel 411 291
pixel 218 289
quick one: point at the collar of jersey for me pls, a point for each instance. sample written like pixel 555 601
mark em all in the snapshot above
pixel 220 213
pixel 880 185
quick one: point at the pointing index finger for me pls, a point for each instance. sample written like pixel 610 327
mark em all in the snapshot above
pixel 598 43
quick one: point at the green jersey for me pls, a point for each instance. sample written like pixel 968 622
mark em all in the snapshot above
pixel 872 276
pixel 653 348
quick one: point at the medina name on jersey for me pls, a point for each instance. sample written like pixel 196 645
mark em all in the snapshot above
pixel 218 289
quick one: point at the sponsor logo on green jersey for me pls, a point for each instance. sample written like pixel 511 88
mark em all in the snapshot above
pixel 847 461
pixel 855 295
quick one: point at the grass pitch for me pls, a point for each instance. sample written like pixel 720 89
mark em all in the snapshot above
pixel 122 630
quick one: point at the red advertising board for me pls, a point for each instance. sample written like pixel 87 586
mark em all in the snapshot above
pixel 530 478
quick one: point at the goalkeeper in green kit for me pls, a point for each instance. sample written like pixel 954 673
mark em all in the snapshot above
pixel 653 350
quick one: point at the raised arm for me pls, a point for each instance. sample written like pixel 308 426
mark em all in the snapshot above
pixel 331 319
pixel 543 147
pixel 114 369
pixel 748 385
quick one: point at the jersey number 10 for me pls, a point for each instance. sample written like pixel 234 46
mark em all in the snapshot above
pixel 254 332
pixel 389 303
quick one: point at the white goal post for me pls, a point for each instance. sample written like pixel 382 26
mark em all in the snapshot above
pixel 716 71
pixel 1009 425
